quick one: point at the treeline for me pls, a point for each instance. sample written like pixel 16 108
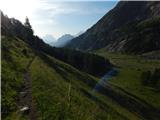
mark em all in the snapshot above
pixel 14 28
pixel 87 62
pixel 151 79
pixel 90 63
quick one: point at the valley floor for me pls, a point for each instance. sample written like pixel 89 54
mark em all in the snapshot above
pixel 129 84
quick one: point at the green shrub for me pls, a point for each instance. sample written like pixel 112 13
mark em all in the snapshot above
pixel 151 78
pixel 146 77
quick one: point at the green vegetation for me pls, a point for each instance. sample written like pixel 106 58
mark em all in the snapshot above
pixel 129 78
pixel 14 62
pixel 90 63
pixel 149 23
pixel 141 36
pixel 62 92
pixel 61 97
pixel 151 79
pixel 59 90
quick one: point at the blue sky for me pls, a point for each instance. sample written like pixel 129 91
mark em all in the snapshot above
pixel 57 18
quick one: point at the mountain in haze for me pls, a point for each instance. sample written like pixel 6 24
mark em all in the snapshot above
pixel 62 41
pixel 130 27
pixel 79 33
pixel 49 38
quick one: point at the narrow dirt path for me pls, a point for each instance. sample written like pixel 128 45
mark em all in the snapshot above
pixel 27 105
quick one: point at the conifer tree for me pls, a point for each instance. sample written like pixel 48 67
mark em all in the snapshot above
pixel 28 31
pixel 27 23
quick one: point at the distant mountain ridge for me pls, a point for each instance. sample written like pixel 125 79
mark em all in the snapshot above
pixel 129 27
pixel 49 38
pixel 62 41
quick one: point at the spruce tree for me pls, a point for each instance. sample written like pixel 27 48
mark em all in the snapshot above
pixel 27 23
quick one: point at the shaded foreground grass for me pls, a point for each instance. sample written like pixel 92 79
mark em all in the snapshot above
pixel 61 98
pixel 14 62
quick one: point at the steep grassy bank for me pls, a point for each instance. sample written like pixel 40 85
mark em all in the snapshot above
pixel 15 56
pixel 59 93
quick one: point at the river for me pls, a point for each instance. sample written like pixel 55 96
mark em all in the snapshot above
pixel 103 81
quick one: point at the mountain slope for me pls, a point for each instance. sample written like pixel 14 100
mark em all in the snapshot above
pixel 80 60
pixel 60 82
pixel 58 89
pixel 63 40
pixel 109 31
pixel 49 39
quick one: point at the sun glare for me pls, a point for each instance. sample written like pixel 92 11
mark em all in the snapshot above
pixel 18 8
